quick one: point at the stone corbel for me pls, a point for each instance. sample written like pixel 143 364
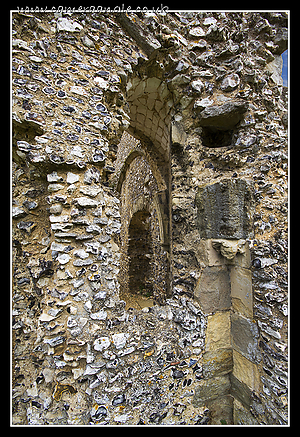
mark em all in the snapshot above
pixel 229 248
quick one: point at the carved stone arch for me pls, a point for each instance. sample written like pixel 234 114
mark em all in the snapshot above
pixel 142 189
pixel 121 173
pixel 148 138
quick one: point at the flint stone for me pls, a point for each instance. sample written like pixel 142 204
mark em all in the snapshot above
pixel 119 400
pixel 202 103
pixel 56 208
pixel 223 117
pixel 100 315
pixel 197 85
pixel 91 175
pixel 80 253
pixel 82 262
pixel 209 20
pixel 26 226
pixel 230 82
pixel 90 191
pixel 101 343
pixel 53 177
pixel 63 24
pixel 18 212
pixel 119 340
pixel 178 374
pixel 196 32
pixel 92 369
pixel 86 202
pixel 63 259
pixel 72 178
pixel 55 341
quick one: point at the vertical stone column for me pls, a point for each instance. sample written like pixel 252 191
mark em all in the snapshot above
pixel 224 291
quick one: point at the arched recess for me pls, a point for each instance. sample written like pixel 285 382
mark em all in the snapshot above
pixel 121 173
pixel 129 149
pixel 143 176
pixel 151 104
pixel 143 195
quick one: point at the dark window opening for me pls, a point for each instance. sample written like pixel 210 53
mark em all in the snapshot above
pixel 140 255
pixel 212 137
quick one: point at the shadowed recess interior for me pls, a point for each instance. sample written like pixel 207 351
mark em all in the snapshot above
pixel 140 255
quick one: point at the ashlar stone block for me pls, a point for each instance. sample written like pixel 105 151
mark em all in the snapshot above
pixel 217 363
pixel 218 331
pixel 209 389
pixel 221 408
pixel 208 255
pixel 152 84
pixel 245 335
pixel 241 291
pixel 241 416
pixel 213 289
pixel 245 371
pixel 225 209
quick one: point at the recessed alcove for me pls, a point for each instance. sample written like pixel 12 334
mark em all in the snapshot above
pixel 144 238
pixel 140 255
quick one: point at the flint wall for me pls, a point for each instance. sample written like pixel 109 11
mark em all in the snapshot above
pixel 182 116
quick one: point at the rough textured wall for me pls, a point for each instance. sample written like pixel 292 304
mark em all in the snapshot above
pixel 180 118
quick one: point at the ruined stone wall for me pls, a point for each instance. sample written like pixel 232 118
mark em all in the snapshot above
pixel 180 119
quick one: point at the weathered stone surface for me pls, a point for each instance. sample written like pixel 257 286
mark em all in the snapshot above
pixel 223 117
pixel 275 67
pixel 218 331
pixel 141 151
pixel 147 41
pixel 229 249
pixel 209 389
pixel 245 336
pixel 241 415
pixel 241 291
pixel 217 363
pixel 281 40
pixel 207 254
pixel 240 391
pixel 213 289
pixel 224 210
pixel 246 371
pixel 178 135
pixel 221 410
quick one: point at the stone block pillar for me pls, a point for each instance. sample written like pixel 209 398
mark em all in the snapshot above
pixel 224 290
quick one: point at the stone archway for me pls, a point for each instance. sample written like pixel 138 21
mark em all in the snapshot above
pixel 144 236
